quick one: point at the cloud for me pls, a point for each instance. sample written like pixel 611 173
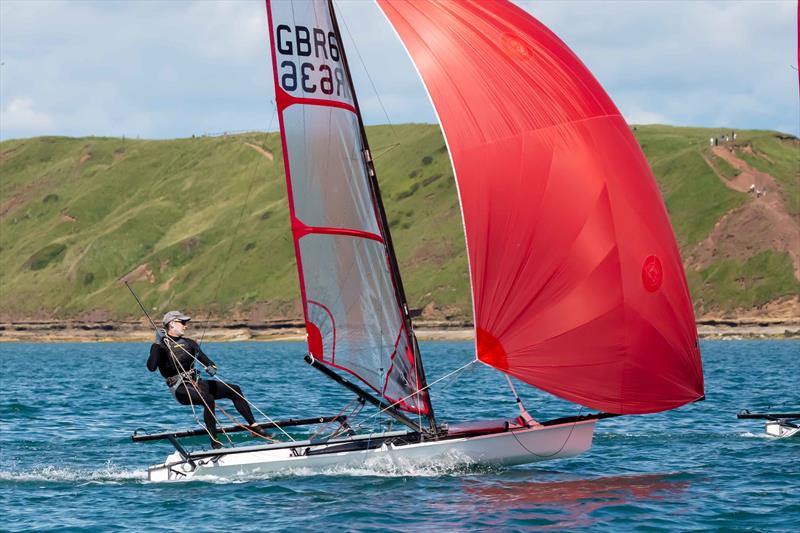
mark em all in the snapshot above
pixel 635 115
pixel 149 69
pixel 702 63
pixel 20 115
pixel 173 69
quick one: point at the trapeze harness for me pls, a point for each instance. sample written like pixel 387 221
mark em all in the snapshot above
pixel 183 378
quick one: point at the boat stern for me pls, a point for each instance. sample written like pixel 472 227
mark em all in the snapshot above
pixel 173 469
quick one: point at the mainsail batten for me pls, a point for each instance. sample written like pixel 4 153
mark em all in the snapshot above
pixel 355 318
pixel 577 282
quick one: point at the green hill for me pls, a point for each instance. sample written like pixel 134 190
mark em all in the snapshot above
pixel 202 224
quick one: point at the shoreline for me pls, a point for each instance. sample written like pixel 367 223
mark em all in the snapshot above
pixel 284 330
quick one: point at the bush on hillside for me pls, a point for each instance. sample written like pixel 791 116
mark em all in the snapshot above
pixel 45 256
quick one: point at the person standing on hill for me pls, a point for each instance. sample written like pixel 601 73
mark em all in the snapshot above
pixel 174 356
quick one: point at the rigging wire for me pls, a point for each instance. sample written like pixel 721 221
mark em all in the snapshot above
pixel 385 151
pixel 269 419
pixel 569 435
pixel 182 370
pixel 526 418
pixel 354 412
pixel 458 371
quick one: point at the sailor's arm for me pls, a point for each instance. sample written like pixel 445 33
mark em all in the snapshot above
pixel 152 361
pixel 204 359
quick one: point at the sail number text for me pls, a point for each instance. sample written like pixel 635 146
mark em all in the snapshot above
pixel 311 43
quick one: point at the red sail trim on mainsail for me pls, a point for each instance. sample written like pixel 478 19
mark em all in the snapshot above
pixel 353 317
pixel 577 282
pixel 315 346
pixel 401 403
pixel 301 229
pixel 284 99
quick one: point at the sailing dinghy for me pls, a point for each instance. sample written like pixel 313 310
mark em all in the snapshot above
pixel 577 283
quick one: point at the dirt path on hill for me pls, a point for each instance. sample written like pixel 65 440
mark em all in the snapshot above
pixel 761 224
pixel 265 153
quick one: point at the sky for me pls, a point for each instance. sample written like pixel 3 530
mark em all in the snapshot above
pixel 166 69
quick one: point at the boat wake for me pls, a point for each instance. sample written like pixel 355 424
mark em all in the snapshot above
pixel 750 435
pixel 109 474
pixel 452 463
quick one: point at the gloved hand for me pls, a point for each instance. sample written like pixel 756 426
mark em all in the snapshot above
pixel 211 370
pixel 160 334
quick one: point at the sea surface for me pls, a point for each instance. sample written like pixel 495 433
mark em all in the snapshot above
pixel 67 462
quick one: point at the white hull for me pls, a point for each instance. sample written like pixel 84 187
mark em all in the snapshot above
pixel 779 430
pixel 510 447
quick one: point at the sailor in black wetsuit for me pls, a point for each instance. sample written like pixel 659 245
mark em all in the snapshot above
pixel 174 356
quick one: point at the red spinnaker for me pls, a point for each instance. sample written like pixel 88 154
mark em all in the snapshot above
pixel 577 283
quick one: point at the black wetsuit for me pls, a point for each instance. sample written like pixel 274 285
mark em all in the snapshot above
pixel 200 392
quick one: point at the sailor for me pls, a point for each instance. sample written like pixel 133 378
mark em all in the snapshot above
pixel 174 356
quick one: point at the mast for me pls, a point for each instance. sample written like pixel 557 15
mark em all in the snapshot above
pixel 390 255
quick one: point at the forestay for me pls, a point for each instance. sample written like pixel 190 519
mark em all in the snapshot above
pixel 578 287
pixel 354 316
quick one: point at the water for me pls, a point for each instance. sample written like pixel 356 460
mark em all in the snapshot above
pixel 68 464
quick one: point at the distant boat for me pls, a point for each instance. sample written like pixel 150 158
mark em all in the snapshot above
pixel 577 283
pixel 777 425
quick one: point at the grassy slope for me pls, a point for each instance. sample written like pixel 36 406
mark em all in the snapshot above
pixel 779 157
pixel 425 221
pixel 694 195
pixel 172 205
pixel 208 218
pixel 730 285
pixel 696 199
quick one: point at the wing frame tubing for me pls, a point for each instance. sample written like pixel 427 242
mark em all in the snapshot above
pixel 768 416
pixel 232 429
pixel 372 179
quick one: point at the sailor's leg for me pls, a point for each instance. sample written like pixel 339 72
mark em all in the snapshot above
pixel 202 397
pixel 232 392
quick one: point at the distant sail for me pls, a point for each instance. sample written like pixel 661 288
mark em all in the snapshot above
pixel 354 318
pixel 577 282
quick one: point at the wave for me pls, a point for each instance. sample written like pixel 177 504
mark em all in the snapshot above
pixel 16 408
pixel 109 474
pixel 452 463
pixel 749 435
